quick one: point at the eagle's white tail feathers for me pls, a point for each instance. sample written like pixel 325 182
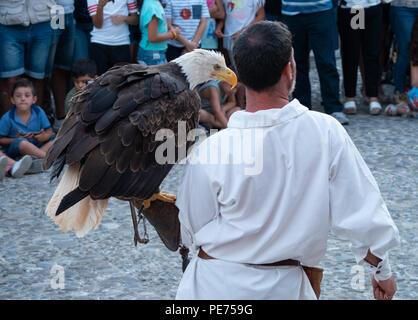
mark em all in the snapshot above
pixel 84 215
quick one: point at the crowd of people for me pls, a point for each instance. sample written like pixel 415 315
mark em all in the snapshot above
pixel 50 59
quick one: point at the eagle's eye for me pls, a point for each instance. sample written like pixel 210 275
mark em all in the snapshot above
pixel 217 67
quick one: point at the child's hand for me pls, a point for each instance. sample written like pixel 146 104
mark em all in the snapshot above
pixel 177 30
pixel 219 33
pixel 191 45
pixel 37 136
pixel 117 19
pixel 28 135
pixel 102 3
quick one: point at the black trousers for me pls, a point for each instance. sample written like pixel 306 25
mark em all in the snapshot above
pixel 107 56
pixel 316 31
pixel 366 41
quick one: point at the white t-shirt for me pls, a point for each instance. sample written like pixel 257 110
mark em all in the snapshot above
pixel 186 14
pixel 109 34
pixel 239 14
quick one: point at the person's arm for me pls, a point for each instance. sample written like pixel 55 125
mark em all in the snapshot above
pixel 219 27
pixel 96 12
pixel 200 31
pixel 6 141
pixel 259 16
pixel 212 94
pixel 154 36
pixel 217 11
pixel 358 212
pixel 197 206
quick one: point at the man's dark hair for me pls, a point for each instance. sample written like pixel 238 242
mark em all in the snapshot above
pixel 84 67
pixel 261 52
pixel 23 83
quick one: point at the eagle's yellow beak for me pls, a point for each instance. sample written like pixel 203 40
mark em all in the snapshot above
pixel 226 75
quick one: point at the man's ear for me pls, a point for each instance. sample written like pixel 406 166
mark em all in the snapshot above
pixel 287 71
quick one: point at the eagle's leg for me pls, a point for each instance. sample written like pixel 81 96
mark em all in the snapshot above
pixel 135 223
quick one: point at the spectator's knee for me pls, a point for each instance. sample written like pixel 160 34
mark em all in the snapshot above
pixel 23 143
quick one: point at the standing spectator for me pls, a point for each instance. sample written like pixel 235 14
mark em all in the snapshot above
pixel 217 11
pixel 403 14
pixel 239 14
pixel 190 16
pixel 354 40
pixel 60 59
pixel 25 40
pixel 83 27
pixel 154 34
pixel 110 42
pixel 312 24
pixel 273 10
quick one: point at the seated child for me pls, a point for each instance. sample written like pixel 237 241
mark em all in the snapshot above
pixel 25 129
pixel 12 168
pixel 218 104
pixel 83 71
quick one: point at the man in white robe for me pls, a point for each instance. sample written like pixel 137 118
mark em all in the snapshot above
pixel 311 179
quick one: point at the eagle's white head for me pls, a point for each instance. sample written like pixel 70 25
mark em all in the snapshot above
pixel 201 66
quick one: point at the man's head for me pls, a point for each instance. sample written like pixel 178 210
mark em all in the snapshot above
pixel 263 56
pixel 23 94
pixel 83 70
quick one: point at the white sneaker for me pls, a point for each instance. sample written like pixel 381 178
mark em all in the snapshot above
pixel 3 166
pixel 375 108
pixel 21 167
pixel 350 107
pixel 340 117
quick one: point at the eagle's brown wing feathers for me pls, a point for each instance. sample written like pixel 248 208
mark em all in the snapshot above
pixel 110 130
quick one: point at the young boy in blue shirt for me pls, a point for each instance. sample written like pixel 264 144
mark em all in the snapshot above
pixel 25 129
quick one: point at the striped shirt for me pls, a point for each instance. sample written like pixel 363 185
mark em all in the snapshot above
pixel 109 34
pixel 294 7
pixel 186 14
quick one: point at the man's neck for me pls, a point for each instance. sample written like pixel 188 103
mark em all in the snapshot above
pixel 267 99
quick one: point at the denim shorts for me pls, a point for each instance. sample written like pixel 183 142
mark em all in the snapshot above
pixel 13 150
pixel 24 50
pixel 62 46
pixel 151 57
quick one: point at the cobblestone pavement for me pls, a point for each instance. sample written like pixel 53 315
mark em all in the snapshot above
pixel 106 265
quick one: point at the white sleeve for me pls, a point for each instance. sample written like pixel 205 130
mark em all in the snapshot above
pixel 92 6
pixel 197 202
pixel 357 210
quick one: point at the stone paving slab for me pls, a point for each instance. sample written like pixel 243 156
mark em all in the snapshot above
pixel 106 265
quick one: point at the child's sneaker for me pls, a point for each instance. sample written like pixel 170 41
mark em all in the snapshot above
pixel 21 167
pixel 3 166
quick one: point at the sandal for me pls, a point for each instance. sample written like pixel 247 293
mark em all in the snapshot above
pixel 398 110
pixel 375 108
pixel 350 107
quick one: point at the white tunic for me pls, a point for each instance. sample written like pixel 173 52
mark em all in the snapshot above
pixel 313 179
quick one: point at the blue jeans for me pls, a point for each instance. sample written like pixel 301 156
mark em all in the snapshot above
pixel 151 57
pixel 82 40
pixel 24 50
pixel 316 31
pixel 62 47
pixel 402 20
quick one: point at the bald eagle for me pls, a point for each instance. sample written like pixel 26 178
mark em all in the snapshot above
pixel 108 137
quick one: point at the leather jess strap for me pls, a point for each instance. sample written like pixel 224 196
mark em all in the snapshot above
pixel 289 262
